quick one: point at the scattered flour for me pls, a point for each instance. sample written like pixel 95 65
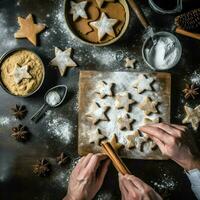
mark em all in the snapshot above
pixel 5 121
pixel 195 78
pixel 58 127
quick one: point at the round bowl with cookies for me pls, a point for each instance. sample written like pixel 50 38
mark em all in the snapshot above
pixel 97 22
pixel 22 72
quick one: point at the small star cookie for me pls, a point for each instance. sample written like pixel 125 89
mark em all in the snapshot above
pixel 28 29
pixel 122 100
pixel 100 2
pixel 150 121
pixel 104 26
pixel 104 89
pixel 78 10
pixel 192 116
pixel 148 106
pixel 97 113
pixel 130 63
pixel 139 141
pixel 125 122
pixel 96 136
pixel 131 143
pixel 143 83
pixel 63 60
pixel 114 142
pixel 20 72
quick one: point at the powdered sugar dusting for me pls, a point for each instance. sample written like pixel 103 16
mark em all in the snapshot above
pixel 5 121
pixel 195 78
pixel 58 126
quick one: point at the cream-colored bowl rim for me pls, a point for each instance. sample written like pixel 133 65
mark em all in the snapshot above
pixel 123 2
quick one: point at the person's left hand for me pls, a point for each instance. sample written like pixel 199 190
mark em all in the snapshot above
pixel 132 188
pixel 87 177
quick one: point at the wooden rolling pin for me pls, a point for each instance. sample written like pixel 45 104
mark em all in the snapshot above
pixel 117 162
pixel 187 33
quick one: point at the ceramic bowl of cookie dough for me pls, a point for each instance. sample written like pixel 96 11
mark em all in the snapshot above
pixel 22 72
pixel 82 28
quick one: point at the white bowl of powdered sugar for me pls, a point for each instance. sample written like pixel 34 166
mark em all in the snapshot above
pixel 162 51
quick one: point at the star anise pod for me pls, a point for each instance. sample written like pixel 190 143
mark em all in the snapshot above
pixel 20 133
pixel 62 159
pixel 19 111
pixel 42 168
pixel 190 91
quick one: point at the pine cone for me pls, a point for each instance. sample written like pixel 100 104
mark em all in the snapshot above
pixel 189 21
pixel 20 133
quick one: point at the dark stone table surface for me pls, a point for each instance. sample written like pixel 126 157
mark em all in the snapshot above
pixel 17 182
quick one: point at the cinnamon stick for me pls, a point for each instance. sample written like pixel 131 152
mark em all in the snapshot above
pixel 187 33
pixel 117 162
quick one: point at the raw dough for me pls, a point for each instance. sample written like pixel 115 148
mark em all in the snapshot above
pixel 26 85
pixel 192 116
pixel 143 83
pixel 130 63
pixel 104 89
pixel 97 113
pixel 122 100
pixel 96 136
pixel 63 60
pixel 148 106
pixel 125 122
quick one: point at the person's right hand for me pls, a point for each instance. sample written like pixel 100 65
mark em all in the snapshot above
pixel 175 142
pixel 132 188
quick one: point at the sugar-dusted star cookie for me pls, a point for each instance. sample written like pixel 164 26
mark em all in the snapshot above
pixel 130 63
pixel 115 144
pixel 122 100
pixel 104 26
pixel 151 121
pixel 96 136
pixel 192 116
pixel 125 122
pixel 143 83
pixel 131 143
pixel 63 60
pixel 28 29
pixel 104 89
pixel 148 106
pixel 100 2
pixel 78 10
pixel 20 72
pixel 139 141
pixel 97 113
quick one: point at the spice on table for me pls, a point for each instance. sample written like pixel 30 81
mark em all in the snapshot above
pixel 53 98
pixel 20 133
pixel 42 168
pixel 190 91
pixel 19 111
pixel 62 159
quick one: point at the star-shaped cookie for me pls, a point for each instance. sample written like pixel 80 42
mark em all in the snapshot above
pixel 122 100
pixel 28 29
pixel 104 89
pixel 143 83
pixel 192 116
pixel 130 63
pixel 151 121
pixel 115 144
pixel 97 113
pixel 96 136
pixel 131 143
pixel 78 10
pixel 125 122
pixel 20 72
pixel 104 26
pixel 100 2
pixel 63 60
pixel 148 106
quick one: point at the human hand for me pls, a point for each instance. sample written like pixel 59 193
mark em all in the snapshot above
pixel 132 188
pixel 175 142
pixel 87 177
